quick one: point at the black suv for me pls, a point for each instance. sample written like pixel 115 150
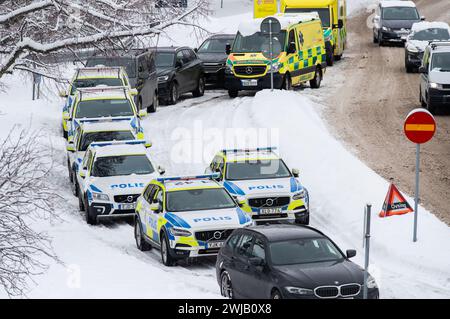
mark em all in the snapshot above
pixel 213 54
pixel 393 21
pixel 141 69
pixel 288 261
pixel 179 71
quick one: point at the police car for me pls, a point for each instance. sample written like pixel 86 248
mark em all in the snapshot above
pixel 99 131
pixel 111 177
pixel 186 217
pixel 91 77
pixel 263 185
pixel 113 103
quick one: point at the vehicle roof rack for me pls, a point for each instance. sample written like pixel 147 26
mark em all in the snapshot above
pixel 101 89
pixel 187 178
pixel 435 44
pixel 248 150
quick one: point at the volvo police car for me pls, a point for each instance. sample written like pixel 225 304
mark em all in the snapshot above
pixel 91 77
pixel 186 217
pixel 263 185
pixel 102 103
pixel 99 131
pixel 111 177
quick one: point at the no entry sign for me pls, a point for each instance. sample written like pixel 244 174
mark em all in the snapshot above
pixel 420 126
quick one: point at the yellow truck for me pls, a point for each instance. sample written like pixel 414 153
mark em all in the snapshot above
pixel 300 55
pixel 333 14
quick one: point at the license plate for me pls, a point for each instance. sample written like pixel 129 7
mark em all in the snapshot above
pixel 270 210
pixel 127 206
pixel 249 82
pixel 216 244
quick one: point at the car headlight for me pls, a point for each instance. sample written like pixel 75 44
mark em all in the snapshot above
pixel 180 232
pixel 163 78
pixel 386 29
pixel 371 283
pixel 300 195
pixel 412 48
pixel 228 69
pixel 434 85
pixel 299 291
pixel 100 196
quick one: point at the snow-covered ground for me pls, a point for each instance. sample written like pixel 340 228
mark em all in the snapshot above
pixel 102 261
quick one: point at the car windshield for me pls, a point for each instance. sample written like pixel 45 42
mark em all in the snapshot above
pixel 88 83
pixel 199 199
pixel 164 59
pixel 431 34
pixel 400 13
pixel 215 45
pixel 258 169
pixel 441 61
pixel 104 108
pixel 324 14
pixel 88 138
pixel 258 42
pixel 304 251
pixel 127 63
pixel 122 165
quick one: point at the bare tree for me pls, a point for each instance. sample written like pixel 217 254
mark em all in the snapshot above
pixel 48 26
pixel 26 196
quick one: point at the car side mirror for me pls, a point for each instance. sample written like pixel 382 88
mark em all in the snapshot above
pixel 291 48
pixel 178 64
pixel 241 201
pixel 134 92
pixel 340 23
pixel 148 144
pixel 350 253
pixel 70 147
pixel 423 70
pixel 196 50
pixel 142 113
pixel 376 19
pixel 140 69
pixel 156 208
pixel 228 48
pixel 82 172
pixel 422 18
pixel 256 261
pixel 295 172
pixel 63 93
pixel 66 115
pixel 161 170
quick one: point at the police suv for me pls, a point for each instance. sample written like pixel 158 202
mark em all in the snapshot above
pixel 263 185
pixel 111 178
pixel 185 217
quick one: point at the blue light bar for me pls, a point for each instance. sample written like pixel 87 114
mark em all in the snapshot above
pixel 124 142
pixel 247 150
pixel 187 178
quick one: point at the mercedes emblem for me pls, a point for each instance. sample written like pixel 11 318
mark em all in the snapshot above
pixel 249 70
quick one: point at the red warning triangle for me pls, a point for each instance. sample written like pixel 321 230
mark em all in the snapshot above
pixel 395 203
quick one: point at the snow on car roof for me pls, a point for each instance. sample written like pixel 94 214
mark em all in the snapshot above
pixel 397 3
pixel 104 126
pixel 190 184
pixel 105 72
pixel 103 92
pixel 252 155
pixel 120 149
pixel 424 25
pixel 249 27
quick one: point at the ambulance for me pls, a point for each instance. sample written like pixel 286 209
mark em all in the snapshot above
pixel 333 14
pixel 301 55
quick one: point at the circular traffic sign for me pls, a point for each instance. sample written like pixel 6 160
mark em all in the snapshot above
pixel 419 126
pixel 270 25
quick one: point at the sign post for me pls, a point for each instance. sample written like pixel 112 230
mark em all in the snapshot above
pixel 367 212
pixel 270 27
pixel 419 128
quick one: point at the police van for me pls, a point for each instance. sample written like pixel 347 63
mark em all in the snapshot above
pixel 301 58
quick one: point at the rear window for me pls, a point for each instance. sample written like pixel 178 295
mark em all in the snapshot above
pixel 88 138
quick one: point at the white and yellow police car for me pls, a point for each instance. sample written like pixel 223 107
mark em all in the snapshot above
pixel 263 184
pixel 97 131
pixel 91 77
pixel 111 178
pixel 185 217
pixel 113 103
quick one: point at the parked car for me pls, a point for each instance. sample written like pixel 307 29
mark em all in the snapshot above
pixel 179 71
pixel 421 35
pixel 141 69
pixel 288 261
pixel 393 21
pixel 213 54
pixel 435 76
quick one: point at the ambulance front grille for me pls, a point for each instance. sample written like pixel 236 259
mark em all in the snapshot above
pixel 250 70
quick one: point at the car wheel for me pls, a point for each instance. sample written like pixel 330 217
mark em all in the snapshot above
pixel 69 169
pixel 141 244
pixel 233 93
pixel 329 54
pixel 200 90
pixel 226 289
pixel 375 40
pixel 80 199
pixel 166 257
pixel 303 220
pixel 380 40
pixel 152 108
pixel 91 218
pixel 430 106
pixel 139 104
pixel 422 101
pixel 276 294
pixel 317 80
pixel 74 186
pixel 338 57
pixel 65 135
pixel 287 83
pixel 173 94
